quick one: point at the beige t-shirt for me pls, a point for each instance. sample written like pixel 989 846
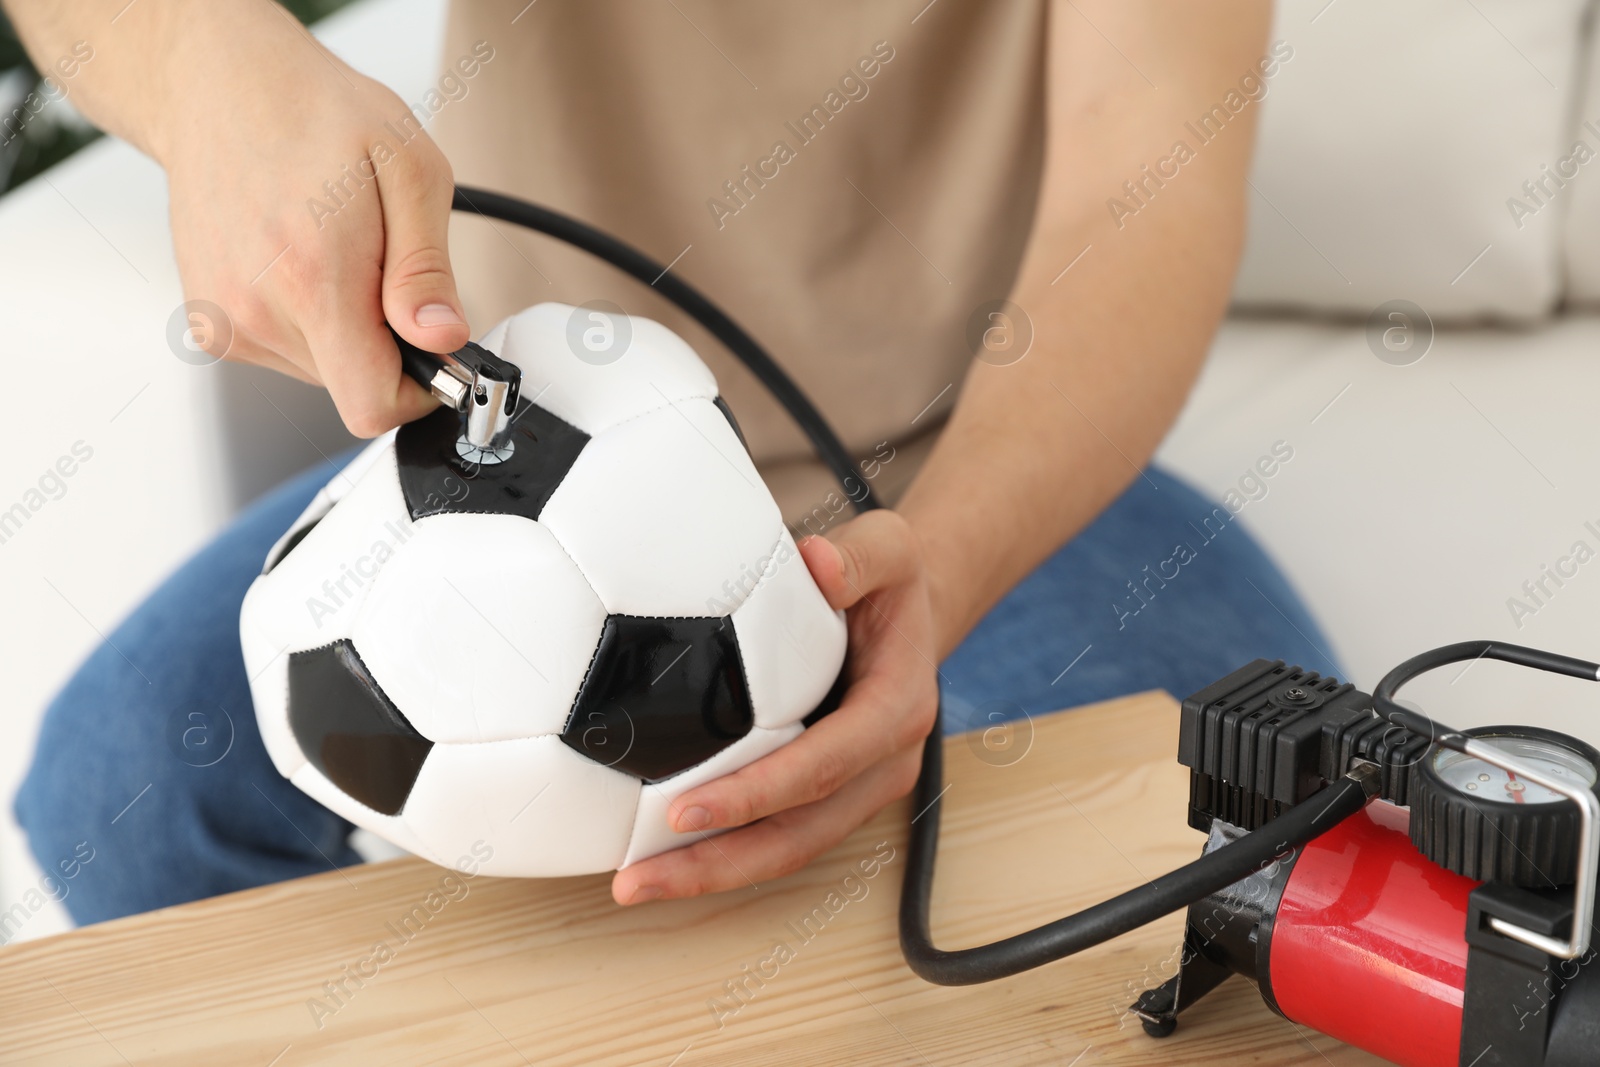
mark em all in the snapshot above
pixel 850 181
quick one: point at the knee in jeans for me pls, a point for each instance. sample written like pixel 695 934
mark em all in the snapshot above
pixel 95 752
pixel 54 803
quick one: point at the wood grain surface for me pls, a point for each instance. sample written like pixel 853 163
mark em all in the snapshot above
pixel 1072 809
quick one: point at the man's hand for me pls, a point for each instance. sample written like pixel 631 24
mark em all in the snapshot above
pixel 298 209
pixel 803 799
pixel 307 204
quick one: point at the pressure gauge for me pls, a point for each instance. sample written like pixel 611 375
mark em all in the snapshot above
pixel 1488 823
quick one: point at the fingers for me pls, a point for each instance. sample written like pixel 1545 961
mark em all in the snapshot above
pixel 359 363
pixel 871 724
pixel 772 848
pixel 419 291
pixel 805 797
pixel 344 295
pixel 870 552
pixel 890 704
pixel 243 351
pixel 330 231
pixel 355 356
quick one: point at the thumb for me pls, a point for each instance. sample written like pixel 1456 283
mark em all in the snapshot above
pixel 868 553
pixel 419 291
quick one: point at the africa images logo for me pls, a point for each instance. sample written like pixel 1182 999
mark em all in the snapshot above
pixel 853 86
pixel 1141 190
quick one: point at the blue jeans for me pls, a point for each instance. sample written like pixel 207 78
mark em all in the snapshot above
pixel 151 756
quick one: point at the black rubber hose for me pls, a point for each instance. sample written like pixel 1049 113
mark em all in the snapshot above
pixel 1089 927
pixel 630 260
pixel 1110 918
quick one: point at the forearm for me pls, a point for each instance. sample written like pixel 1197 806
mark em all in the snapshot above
pixel 153 64
pixel 1035 449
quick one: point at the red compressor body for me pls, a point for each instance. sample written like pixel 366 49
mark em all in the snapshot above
pixel 1367 942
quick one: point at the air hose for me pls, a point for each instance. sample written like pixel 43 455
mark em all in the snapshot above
pixel 1063 937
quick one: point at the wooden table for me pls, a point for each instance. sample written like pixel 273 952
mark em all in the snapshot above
pixel 521 972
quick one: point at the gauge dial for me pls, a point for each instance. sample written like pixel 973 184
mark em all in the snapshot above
pixel 1488 823
pixel 1474 777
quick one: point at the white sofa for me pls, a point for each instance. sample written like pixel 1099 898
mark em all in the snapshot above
pixel 1419 500
pixel 1447 155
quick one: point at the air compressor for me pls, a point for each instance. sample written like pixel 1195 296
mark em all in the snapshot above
pixel 1403 928
pixel 1423 893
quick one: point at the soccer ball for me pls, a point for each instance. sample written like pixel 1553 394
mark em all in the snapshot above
pixel 539 651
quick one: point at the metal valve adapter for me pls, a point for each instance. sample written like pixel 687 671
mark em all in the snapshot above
pixel 473 381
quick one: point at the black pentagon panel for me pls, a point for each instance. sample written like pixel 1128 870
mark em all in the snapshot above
pixel 290 544
pixel 727 413
pixel 350 731
pixel 661 695
pixel 832 698
pixel 436 481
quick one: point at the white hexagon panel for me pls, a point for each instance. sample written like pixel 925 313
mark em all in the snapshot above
pixel 490 656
